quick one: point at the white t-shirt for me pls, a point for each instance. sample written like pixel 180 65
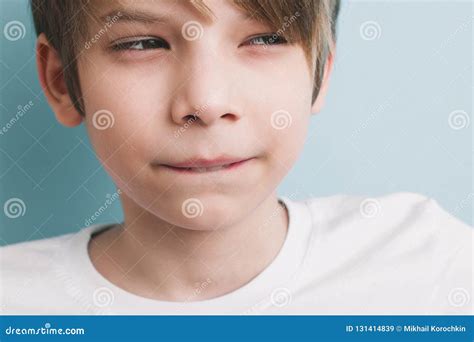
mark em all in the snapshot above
pixel 396 254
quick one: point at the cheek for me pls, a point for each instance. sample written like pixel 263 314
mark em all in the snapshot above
pixel 130 93
pixel 287 104
pixel 286 135
pixel 125 109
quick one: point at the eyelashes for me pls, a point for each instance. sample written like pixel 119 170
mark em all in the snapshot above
pixel 150 43
pixel 144 43
pixel 268 39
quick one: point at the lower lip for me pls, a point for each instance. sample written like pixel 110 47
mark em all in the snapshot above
pixel 229 168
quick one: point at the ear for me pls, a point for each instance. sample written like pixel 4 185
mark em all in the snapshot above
pixel 50 72
pixel 319 102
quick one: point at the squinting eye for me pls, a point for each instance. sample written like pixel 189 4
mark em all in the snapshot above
pixel 271 39
pixel 140 44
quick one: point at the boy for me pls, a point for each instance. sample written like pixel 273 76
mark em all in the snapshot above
pixel 196 114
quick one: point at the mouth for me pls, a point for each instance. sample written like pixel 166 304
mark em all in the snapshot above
pixel 198 166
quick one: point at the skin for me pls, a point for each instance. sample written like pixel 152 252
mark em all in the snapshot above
pixel 235 85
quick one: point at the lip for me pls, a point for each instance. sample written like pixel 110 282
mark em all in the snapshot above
pixel 202 162
pixel 192 166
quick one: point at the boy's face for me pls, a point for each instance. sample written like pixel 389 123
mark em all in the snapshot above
pixel 252 102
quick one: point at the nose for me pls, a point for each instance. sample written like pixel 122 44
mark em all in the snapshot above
pixel 207 92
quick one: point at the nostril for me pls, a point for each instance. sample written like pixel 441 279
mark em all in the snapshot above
pixel 229 116
pixel 190 117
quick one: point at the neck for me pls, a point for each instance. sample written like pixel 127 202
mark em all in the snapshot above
pixel 152 258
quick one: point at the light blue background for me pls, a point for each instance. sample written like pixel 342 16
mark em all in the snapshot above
pixel 419 69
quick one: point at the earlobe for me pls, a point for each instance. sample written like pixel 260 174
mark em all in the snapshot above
pixel 50 73
pixel 319 102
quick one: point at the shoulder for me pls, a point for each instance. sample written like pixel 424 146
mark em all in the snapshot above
pixel 401 220
pixel 42 275
pixel 367 206
pixel 405 211
pixel 404 220
pixel 397 241
pixel 31 253
pixel 27 270
pixel 31 263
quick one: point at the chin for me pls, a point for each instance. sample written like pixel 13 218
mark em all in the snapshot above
pixel 203 213
pixel 206 213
